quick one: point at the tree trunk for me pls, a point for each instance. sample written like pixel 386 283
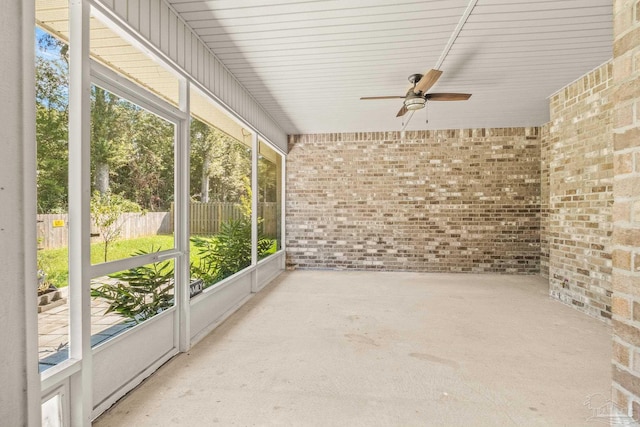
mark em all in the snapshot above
pixel 204 188
pixel 102 177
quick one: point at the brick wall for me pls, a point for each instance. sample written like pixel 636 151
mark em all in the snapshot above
pixel 544 200
pixel 577 192
pixel 626 215
pixel 454 201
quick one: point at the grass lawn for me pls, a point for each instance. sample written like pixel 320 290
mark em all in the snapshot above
pixel 54 261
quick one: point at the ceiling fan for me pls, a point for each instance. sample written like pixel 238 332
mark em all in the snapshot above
pixel 417 95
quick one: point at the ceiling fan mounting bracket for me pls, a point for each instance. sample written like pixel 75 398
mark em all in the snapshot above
pixel 414 78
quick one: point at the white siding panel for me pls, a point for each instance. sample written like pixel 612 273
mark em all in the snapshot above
pixel 217 78
pixel 160 25
pixel 144 18
pixel 223 84
pixel 119 7
pixel 164 24
pixel 205 70
pixel 173 36
pixel 132 14
pixel 180 44
pixel 201 62
pixel 193 40
pixel 154 23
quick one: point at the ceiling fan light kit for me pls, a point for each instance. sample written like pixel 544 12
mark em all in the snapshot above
pixel 414 103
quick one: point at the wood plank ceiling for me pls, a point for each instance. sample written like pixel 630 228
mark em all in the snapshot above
pixel 308 62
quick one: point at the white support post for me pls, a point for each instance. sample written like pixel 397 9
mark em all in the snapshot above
pixel 283 213
pixel 79 213
pixel 181 220
pixel 255 146
pixel 20 390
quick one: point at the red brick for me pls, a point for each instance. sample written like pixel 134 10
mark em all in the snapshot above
pixel 627 283
pixel 623 163
pixel 621 307
pixel 626 332
pixel 628 139
pixel 628 186
pixel 626 42
pixel 620 398
pixel 621 354
pixel 623 117
pixel 627 380
pixel 621 211
pixel 626 236
pixel 626 91
pixel 621 259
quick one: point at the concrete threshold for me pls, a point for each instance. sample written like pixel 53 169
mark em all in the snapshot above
pixel 327 348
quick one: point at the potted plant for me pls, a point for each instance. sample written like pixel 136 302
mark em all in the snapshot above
pixel 49 296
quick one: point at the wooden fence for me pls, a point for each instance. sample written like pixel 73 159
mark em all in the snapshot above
pixel 206 218
pixel 268 211
pixel 53 229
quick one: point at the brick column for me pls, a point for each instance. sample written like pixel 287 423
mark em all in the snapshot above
pixel 626 215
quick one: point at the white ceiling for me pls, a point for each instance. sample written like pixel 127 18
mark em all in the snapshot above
pixel 308 62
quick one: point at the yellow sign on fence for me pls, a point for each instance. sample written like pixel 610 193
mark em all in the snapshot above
pixel 58 222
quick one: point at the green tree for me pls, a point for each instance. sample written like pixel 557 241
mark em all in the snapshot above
pixel 202 144
pixel 107 211
pixel 52 118
pixel 267 181
pixel 109 148
pixel 148 178
pixel 218 164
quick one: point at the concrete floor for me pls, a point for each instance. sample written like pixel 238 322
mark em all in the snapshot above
pixel 326 348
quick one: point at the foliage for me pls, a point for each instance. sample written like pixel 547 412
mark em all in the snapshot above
pixel 267 180
pixel 106 214
pixel 219 163
pixel 52 118
pixel 44 284
pixel 229 251
pixel 148 177
pixel 132 149
pixel 139 293
pixel 109 147
pixel 55 261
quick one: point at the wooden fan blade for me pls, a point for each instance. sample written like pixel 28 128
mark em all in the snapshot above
pixel 402 111
pixel 428 80
pixel 382 97
pixel 448 96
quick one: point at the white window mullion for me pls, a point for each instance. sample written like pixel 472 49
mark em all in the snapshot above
pixel 254 206
pixel 183 274
pixel 79 214
pixel 283 204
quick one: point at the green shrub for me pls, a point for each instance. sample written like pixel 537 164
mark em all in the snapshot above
pixel 227 252
pixel 141 292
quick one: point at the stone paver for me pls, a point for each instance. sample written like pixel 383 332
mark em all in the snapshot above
pixel 53 326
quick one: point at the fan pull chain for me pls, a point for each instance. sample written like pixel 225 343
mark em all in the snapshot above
pixel 426 112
